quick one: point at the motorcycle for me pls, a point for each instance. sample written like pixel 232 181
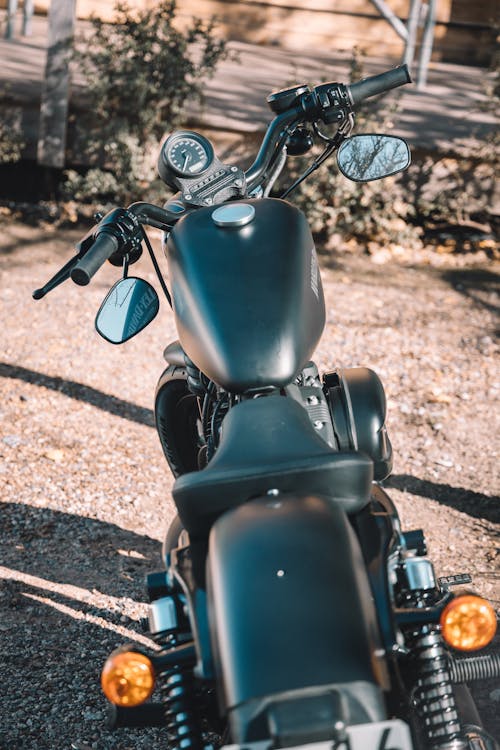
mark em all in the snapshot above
pixel 292 610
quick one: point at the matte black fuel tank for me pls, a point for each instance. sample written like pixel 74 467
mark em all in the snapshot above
pixel 248 300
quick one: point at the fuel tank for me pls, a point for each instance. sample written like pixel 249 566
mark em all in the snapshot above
pixel 248 299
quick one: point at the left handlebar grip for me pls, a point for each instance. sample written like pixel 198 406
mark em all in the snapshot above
pixel 102 249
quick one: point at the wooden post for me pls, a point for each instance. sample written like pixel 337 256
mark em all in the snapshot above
pixel 11 18
pixel 391 18
pixel 28 8
pixel 427 44
pixel 55 90
pixel 413 20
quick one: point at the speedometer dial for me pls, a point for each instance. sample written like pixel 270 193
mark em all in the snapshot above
pixel 188 154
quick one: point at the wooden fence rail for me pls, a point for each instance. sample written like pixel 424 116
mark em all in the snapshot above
pixel 28 10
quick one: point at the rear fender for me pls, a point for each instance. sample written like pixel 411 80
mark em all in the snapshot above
pixel 292 617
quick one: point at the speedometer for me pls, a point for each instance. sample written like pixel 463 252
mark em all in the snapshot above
pixel 187 154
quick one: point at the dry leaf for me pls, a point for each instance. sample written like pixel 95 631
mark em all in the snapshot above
pixel 54 454
pixel 436 397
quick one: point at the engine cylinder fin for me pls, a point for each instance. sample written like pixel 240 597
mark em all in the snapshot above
pixel 473 668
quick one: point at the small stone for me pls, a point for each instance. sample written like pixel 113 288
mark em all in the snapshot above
pixel 448 464
pixel 92 715
pixel 12 440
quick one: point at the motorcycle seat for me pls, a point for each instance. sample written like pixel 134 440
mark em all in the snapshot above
pixel 268 444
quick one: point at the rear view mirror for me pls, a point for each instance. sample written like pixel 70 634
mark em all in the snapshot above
pixel 128 308
pixel 369 157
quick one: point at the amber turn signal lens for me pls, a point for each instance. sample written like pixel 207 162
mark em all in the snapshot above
pixel 127 678
pixel 468 623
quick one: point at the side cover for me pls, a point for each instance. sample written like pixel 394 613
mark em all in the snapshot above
pixel 292 617
pixel 248 299
pixel 357 404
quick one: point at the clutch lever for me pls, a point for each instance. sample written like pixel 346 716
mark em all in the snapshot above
pixel 64 273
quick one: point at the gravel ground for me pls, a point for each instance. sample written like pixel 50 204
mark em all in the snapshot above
pixel 86 491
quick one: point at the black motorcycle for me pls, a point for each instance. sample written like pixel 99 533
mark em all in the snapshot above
pixel 292 611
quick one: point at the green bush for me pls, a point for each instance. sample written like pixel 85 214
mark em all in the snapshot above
pixel 456 194
pixel 374 212
pixel 458 187
pixel 11 142
pixel 140 73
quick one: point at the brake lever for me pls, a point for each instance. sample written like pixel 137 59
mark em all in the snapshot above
pixel 64 273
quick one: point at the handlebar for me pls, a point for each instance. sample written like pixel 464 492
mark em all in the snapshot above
pixel 276 129
pixel 120 231
pixel 329 102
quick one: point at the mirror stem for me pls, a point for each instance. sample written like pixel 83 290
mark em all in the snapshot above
pixel 125 265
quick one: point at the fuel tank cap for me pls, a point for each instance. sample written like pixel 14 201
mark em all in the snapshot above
pixel 233 215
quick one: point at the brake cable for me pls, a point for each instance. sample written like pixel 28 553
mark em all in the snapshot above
pixel 332 146
pixel 156 267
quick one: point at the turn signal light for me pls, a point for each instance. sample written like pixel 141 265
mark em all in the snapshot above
pixel 127 678
pixel 468 623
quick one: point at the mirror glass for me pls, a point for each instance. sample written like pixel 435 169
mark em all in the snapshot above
pixel 128 308
pixel 369 157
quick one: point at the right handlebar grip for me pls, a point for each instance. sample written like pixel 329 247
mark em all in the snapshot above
pixel 102 249
pixel 378 84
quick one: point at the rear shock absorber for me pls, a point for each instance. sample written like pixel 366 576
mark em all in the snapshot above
pixel 169 626
pixel 433 696
pixel 177 693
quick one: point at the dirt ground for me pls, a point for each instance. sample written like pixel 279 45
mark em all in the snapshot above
pixel 85 488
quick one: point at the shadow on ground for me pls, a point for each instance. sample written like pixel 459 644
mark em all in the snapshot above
pixel 60 620
pixel 466 501
pixel 111 404
pixel 479 285
pixel 96 555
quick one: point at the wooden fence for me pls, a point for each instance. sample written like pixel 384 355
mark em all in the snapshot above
pixel 374 25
